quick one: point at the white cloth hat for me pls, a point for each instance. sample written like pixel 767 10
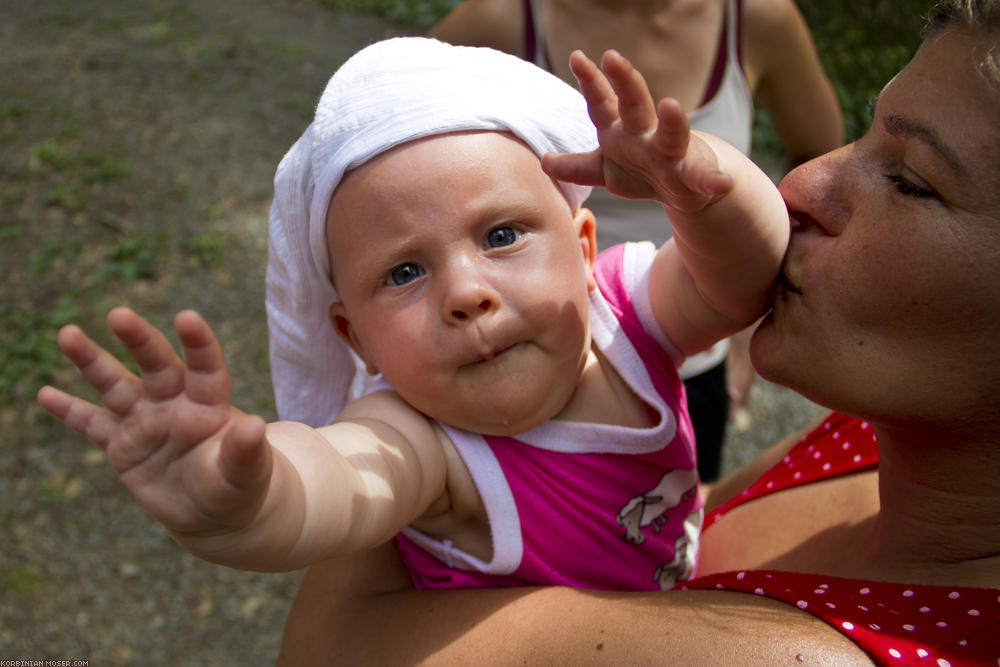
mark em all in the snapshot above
pixel 387 94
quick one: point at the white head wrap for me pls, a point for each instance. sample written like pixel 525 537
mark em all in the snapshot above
pixel 387 94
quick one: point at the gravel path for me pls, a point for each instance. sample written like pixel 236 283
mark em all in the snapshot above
pixel 137 145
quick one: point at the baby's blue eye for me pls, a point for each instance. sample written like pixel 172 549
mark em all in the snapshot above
pixel 500 237
pixel 404 273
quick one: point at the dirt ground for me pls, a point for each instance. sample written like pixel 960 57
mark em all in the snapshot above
pixel 137 145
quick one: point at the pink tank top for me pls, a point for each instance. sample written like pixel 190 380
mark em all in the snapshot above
pixel 586 505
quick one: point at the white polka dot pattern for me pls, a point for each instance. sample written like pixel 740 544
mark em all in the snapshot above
pixel 813 459
pixel 896 624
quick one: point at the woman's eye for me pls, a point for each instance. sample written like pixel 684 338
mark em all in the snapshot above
pixel 500 237
pixel 907 187
pixel 404 273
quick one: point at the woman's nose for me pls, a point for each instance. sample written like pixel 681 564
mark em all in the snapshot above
pixel 818 193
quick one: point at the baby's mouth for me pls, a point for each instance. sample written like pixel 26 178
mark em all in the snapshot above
pixel 489 356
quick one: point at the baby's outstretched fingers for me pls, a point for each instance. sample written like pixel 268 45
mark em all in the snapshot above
pixel 91 421
pixel 579 168
pixel 245 457
pixel 207 379
pixel 673 133
pixel 118 387
pixel 602 103
pixel 162 370
pixel 635 102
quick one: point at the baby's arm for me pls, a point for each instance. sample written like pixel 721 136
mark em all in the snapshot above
pixel 730 225
pixel 228 487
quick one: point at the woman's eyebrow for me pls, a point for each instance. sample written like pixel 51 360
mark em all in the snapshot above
pixel 910 129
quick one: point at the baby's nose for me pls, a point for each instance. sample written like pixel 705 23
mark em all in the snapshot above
pixel 469 296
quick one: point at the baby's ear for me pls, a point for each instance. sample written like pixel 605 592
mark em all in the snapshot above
pixel 342 325
pixel 586 229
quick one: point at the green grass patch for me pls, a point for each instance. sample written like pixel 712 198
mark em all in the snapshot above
pixel 102 168
pixel 133 258
pixel 206 249
pixel 59 159
pixel 11 234
pixel 11 195
pixel 421 14
pixel 28 352
pixel 52 153
pixel 157 31
pixel 21 578
pixel 51 253
pixel 12 110
pixel 54 491
pixel 29 355
pixel 66 196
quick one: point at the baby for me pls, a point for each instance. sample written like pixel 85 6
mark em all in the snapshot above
pixel 455 366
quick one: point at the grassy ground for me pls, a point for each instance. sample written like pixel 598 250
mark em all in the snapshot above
pixel 137 146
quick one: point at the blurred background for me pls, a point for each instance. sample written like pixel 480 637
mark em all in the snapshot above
pixel 138 140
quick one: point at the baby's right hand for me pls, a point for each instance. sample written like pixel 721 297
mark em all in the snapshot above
pixel 196 464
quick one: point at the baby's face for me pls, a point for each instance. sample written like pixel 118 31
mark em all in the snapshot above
pixel 464 279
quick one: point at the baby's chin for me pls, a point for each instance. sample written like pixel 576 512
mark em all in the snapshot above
pixel 502 413
pixel 498 421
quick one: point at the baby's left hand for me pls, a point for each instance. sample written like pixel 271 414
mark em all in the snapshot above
pixel 646 151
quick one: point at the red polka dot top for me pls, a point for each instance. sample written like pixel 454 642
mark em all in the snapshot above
pixel 896 624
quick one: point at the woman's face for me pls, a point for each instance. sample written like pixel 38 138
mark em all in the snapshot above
pixel 890 303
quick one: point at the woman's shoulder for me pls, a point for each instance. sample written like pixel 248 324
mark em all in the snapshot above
pixel 498 24
pixel 769 27
pixel 769 15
